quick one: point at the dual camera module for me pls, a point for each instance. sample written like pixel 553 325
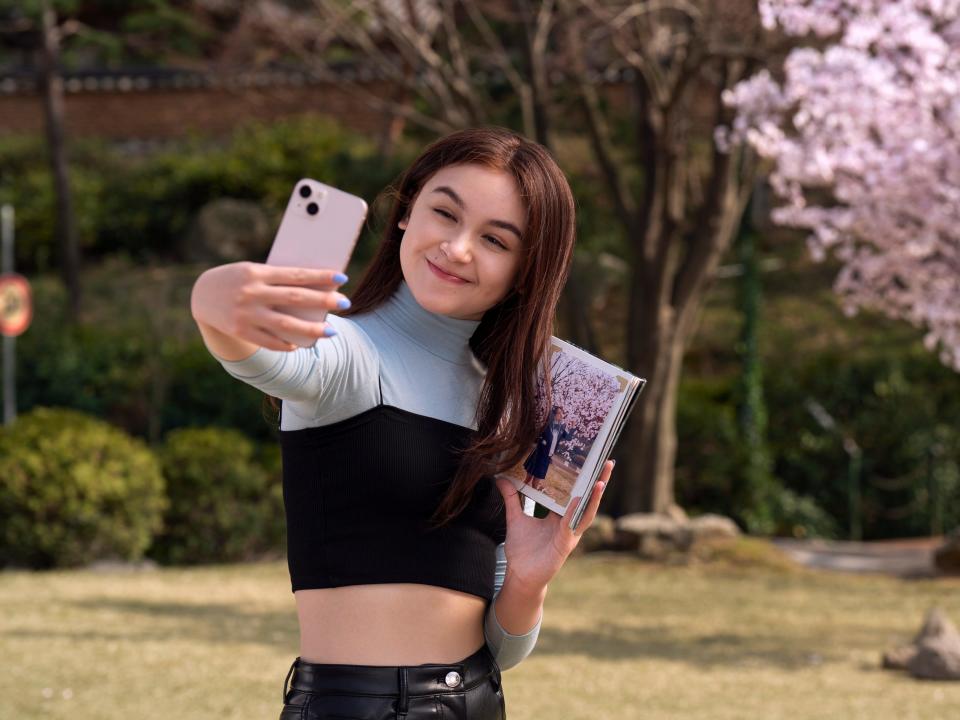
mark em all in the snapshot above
pixel 312 207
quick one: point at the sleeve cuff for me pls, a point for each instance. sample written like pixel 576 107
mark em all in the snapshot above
pixel 492 617
pixel 508 649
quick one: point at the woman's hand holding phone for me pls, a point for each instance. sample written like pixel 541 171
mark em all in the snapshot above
pixel 239 300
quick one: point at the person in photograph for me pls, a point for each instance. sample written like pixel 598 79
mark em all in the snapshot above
pixel 395 428
pixel 539 460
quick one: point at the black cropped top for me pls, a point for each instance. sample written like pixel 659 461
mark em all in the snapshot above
pixel 371 425
pixel 358 494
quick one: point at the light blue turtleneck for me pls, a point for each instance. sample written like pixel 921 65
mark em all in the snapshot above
pixel 425 366
pixel 423 359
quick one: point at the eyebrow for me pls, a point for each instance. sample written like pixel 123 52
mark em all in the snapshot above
pixel 449 191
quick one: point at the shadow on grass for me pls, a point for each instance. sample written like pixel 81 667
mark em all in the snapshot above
pixel 211 623
pixel 613 642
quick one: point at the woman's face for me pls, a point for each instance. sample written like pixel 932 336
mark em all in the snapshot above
pixel 467 220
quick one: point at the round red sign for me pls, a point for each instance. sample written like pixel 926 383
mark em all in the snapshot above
pixel 16 306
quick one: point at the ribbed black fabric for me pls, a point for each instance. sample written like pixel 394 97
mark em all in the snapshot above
pixel 358 493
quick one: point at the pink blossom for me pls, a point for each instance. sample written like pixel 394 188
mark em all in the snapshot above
pixel 873 122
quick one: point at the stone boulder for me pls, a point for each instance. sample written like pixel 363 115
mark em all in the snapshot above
pixel 947 556
pixel 675 512
pixel 651 535
pixel 897 658
pixel 599 536
pixel 657 536
pixel 934 653
pixel 711 528
pixel 228 230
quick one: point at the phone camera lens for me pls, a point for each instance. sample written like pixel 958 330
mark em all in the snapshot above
pixel 305 191
pixel 313 208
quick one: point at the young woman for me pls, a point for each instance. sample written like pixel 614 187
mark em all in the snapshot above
pixel 394 424
pixel 537 464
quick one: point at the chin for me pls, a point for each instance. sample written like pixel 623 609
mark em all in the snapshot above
pixel 451 309
pixel 441 298
pixel 442 304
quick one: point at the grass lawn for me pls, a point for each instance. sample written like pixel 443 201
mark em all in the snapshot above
pixel 621 639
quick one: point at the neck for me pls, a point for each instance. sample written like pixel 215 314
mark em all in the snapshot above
pixel 444 336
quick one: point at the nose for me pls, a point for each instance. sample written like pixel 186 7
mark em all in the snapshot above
pixel 458 248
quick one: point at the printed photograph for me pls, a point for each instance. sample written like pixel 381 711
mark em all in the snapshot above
pixel 583 395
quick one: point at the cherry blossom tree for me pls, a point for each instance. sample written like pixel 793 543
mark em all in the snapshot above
pixel 864 138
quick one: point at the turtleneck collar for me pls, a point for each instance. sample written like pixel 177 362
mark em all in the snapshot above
pixel 444 336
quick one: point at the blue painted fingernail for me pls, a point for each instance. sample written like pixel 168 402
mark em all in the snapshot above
pixel 340 278
pixel 343 304
pixel 329 331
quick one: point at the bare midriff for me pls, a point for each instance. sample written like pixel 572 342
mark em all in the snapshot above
pixel 389 624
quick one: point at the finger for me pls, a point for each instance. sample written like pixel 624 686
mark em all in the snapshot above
pixel 512 498
pixel 290 295
pixel 261 337
pixel 568 516
pixel 590 513
pixel 287 275
pixel 292 325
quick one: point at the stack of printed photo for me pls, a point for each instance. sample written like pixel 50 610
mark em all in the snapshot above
pixel 591 401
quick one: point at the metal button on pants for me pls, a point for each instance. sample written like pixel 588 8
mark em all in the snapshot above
pixel 466 690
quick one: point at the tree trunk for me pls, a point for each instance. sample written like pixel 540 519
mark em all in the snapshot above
pixel 52 84
pixel 666 297
pixel 575 301
pixel 394 125
pixel 647 475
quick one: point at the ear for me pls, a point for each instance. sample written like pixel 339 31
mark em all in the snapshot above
pixel 403 223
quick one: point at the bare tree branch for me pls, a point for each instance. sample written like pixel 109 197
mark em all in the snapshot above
pixel 280 32
pixel 454 42
pixel 636 9
pixel 500 55
pixel 599 136
pixel 417 51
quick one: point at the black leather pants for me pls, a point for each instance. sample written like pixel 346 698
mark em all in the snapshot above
pixel 465 690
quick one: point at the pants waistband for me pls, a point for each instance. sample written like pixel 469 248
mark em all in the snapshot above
pixel 393 680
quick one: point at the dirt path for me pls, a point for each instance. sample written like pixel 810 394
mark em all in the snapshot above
pixel 909 557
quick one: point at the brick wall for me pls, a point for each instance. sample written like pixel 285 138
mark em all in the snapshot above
pixel 153 113
pixel 167 105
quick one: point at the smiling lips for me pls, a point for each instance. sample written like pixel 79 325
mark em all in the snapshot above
pixel 445 275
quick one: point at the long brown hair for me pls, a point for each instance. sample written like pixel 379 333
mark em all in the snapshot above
pixel 514 334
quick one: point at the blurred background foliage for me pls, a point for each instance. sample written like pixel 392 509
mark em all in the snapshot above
pixel 137 349
pixel 138 204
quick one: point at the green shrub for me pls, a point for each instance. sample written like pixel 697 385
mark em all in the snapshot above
pixel 206 395
pixel 224 505
pixel 74 489
pixel 122 366
pixel 901 408
pixel 708 454
pixel 141 206
pixel 712 465
pixel 26 183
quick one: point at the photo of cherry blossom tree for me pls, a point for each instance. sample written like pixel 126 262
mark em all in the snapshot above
pixel 584 395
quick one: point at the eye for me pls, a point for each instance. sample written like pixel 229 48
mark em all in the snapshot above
pixel 493 238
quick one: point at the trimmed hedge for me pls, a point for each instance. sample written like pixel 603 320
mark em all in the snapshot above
pixel 74 489
pixel 224 505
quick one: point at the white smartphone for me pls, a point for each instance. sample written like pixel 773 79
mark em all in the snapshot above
pixel 319 229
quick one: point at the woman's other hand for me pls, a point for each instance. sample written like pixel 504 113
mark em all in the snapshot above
pixel 536 548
